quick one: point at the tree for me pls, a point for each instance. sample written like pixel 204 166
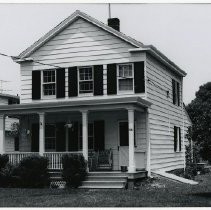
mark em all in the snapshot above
pixel 199 111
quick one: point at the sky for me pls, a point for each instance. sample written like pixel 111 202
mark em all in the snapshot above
pixel 181 31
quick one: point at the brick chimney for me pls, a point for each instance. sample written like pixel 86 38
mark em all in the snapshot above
pixel 114 23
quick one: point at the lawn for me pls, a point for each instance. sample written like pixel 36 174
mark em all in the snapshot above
pixel 159 192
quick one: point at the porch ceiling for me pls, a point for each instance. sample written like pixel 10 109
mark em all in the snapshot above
pixel 136 103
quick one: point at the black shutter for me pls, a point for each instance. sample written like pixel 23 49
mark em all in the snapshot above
pixel 35 138
pixel 73 137
pixel 16 143
pixel 139 79
pixel 175 138
pixel 60 83
pixel 111 79
pixel 174 91
pixel 99 135
pixel 73 81
pixel 98 80
pixel 180 145
pixel 60 137
pixel 36 85
pixel 178 93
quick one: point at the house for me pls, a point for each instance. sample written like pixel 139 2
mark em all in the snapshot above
pixel 87 87
pixel 11 140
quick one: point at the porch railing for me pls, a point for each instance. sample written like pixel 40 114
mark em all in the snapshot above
pixel 55 158
pixel 16 157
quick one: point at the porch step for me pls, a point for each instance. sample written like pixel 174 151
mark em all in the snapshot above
pixel 105 180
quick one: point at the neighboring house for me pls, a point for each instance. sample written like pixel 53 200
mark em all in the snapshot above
pixel 12 141
pixel 87 87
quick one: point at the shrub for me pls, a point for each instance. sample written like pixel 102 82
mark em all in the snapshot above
pixel 4 159
pixel 33 172
pixel 190 171
pixel 74 170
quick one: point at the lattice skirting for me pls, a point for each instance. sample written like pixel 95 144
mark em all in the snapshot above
pixel 58 184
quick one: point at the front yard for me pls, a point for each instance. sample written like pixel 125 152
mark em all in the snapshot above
pixel 158 192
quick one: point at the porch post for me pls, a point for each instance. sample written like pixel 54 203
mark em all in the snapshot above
pixel 42 133
pixel 131 167
pixel 2 134
pixel 85 133
pixel 67 138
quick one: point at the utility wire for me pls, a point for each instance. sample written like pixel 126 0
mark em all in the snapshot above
pixel 55 66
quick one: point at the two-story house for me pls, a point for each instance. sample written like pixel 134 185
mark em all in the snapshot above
pixel 87 87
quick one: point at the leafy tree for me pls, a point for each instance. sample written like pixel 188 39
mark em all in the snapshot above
pixel 200 113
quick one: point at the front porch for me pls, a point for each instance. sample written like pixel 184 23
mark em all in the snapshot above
pixel 117 127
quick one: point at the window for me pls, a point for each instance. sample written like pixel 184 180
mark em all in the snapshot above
pixel 90 136
pixel 50 137
pixel 176 92
pixel 177 139
pixel 49 83
pixel 85 80
pixel 125 78
pixel 16 143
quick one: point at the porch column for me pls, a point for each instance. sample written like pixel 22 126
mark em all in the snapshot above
pixel 131 167
pixel 2 134
pixel 85 134
pixel 42 133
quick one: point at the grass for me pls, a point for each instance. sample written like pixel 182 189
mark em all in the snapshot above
pixel 159 192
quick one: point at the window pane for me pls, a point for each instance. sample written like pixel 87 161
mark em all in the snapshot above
pixel 86 87
pixel 125 84
pixel 125 70
pixel 49 89
pixel 49 76
pixel 85 74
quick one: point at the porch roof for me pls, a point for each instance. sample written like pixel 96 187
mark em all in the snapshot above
pixel 77 105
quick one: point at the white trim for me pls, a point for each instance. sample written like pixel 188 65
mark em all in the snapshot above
pixel 78 74
pixel 122 92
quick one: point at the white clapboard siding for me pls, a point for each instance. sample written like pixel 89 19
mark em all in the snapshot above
pixel 79 44
pixel 163 116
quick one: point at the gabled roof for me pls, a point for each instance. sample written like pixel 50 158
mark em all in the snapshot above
pixel 25 55
pixel 77 14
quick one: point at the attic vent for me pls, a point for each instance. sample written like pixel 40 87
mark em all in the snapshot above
pixel 114 23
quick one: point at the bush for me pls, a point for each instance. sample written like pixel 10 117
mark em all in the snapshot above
pixel 190 171
pixel 74 170
pixel 33 172
pixel 7 176
pixel 4 159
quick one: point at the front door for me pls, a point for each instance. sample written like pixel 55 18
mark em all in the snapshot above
pixel 123 144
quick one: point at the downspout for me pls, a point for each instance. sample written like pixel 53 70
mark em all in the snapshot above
pixel 183 128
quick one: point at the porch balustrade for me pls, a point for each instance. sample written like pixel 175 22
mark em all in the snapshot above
pixel 55 158
pixel 16 157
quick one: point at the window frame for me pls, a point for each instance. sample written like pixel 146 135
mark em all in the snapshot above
pixel 43 96
pixel 78 74
pixel 179 140
pixel 177 97
pixel 122 92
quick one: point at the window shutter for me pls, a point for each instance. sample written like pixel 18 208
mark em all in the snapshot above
pixel 173 91
pixel 73 81
pixel 99 137
pixel 178 93
pixel 60 137
pixel 139 79
pixel 36 85
pixel 98 80
pixel 35 137
pixel 175 138
pixel 180 140
pixel 111 79
pixel 60 83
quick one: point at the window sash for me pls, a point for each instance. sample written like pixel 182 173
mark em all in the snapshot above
pixel 49 83
pixel 85 75
pixel 125 73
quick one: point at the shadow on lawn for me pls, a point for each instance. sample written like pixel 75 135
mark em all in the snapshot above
pixel 204 194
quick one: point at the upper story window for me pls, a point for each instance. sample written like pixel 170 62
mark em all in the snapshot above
pixel 125 77
pixel 176 92
pixel 85 80
pixel 49 82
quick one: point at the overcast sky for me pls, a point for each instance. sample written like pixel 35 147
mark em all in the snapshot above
pixel 181 31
